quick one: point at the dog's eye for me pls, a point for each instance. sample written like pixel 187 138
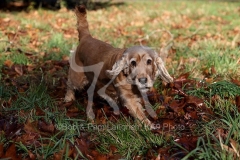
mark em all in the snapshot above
pixel 133 63
pixel 149 62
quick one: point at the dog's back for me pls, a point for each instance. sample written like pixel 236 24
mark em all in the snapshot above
pixel 91 51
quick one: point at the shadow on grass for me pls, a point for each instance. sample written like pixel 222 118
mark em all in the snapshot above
pixel 26 5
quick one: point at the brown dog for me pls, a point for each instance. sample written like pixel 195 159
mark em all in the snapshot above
pixel 121 76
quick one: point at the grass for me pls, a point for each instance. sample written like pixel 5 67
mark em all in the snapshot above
pixel 210 146
pixel 205 45
pixel 129 139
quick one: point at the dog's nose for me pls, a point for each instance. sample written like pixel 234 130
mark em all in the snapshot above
pixel 142 80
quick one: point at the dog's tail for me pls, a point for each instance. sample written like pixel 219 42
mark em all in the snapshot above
pixel 82 24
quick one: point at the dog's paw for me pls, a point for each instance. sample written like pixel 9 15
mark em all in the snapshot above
pixel 69 96
pixel 116 112
pixel 91 115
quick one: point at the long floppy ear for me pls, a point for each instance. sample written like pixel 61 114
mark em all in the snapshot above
pixel 120 65
pixel 162 71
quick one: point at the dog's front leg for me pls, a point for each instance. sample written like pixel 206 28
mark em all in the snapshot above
pixel 133 104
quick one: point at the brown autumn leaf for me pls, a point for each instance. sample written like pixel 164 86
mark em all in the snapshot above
pixel 192 115
pixel 107 110
pixel 166 125
pixel 235 81
pixel 213 70
pixel 31 155
pixel 192 100
pixel 153 95
pixel 150 154
pixel 209 80
pixel 236 147
pixel 164 153
pixel 88 149
pixel 198 103
pixel 100 117
pixel 138 157
pixel 18 69
pixel 1 149
pixel 58 155
pixel 11 36
pixel 66 104
pixel 83 146
pixel 30 139
pixel 32 127
pixel 178 85
pixel 11 153
pixel 6 20
pixel 182 77
pixel 8 63
pixel 161 110
pixel 73 111
pixel 205 72
pixel 177 106
pixel 188 142
pixel 72 114
pixel 10 126
pixel 31 67
pixel 46 127
pixel 39 112
pixel 112 149
pixel 65 58
pixel 158 157
pixel 71 151
pixel 238 102
pixel 98 156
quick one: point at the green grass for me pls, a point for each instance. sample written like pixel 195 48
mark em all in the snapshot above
pixel 57 46
pixel 129 139
pixel 209 146
pixel 223 89
pixel 204 38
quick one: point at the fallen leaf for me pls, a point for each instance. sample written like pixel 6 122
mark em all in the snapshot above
pixel 58 155
pixel 238 102
pixel 188 142
pixel 30 127
pixel 46 127
pixel 31 155
pixel 18 69
pixel 6 19
pixel 11 153
pixel 112 149
pixel 158 157
pixel 235 146
pixel 1 150
pixel 30 139
pixel 182 77
pixel 213 70
pixel 11 36
pixel 8 63
pixel 235 81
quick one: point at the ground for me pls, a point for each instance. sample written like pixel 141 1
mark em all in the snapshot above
pixel 198 115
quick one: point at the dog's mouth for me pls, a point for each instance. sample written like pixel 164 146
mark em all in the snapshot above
pixel 144 89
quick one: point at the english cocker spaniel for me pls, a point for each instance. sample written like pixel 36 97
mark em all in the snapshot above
pixel 121 76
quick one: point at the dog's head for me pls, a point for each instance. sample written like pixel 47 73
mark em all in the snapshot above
pixel 141 66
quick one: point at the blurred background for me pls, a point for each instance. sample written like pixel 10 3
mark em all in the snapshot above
pixel 50 4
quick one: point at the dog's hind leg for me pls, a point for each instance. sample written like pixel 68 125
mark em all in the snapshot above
pixel 76 81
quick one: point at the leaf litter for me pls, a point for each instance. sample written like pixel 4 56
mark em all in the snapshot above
pixel 179 111
pixel 177 115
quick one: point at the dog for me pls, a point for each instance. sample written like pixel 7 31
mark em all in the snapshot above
pixel 120 76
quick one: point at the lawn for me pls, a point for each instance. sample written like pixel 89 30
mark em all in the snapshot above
pixel 198 115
